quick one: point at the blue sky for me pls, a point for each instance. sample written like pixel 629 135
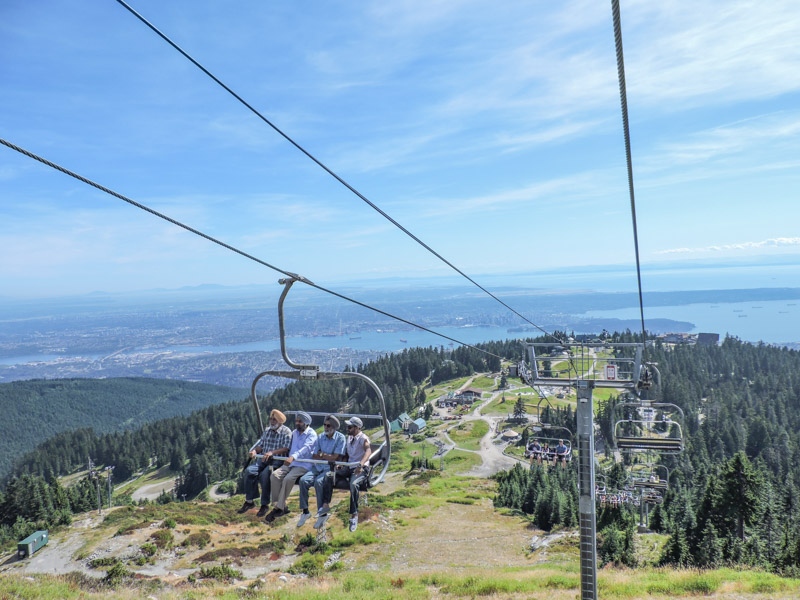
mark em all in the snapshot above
pixel 492 131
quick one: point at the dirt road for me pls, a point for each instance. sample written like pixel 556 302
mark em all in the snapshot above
pixel 491 449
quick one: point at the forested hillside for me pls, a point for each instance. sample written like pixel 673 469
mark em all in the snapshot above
pixel 733 496
pixel 215 439
pixel 35 411
pixel 733 493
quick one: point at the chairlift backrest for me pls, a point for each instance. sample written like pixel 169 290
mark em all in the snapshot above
pixel 637 429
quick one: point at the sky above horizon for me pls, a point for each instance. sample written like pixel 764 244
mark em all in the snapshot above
pixel 490 131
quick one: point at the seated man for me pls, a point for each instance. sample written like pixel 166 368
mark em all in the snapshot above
pixel 358 451
pixel 561 454
pixel 273 442
pixel 282 480
pixel 546 451
pixel 329 446
pixel 536 452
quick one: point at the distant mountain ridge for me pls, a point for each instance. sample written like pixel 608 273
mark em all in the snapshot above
pixel 36 410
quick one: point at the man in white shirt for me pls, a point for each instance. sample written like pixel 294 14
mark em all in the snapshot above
pixel 358 451
pixel 282 480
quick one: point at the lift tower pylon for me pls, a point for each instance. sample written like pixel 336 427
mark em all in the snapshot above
pixel 585 367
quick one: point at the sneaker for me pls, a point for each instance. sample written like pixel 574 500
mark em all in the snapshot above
pixel 262 511
pixel 245 507
pixel 354 522
pixel 303 518
pixel 320 522
pixel 323 511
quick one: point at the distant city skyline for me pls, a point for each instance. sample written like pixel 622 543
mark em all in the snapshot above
pixel 493 133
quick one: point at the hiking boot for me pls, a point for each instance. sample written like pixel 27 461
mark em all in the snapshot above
pixel 262 511
pixel 303 518
pixel 245 507
pixel 354 522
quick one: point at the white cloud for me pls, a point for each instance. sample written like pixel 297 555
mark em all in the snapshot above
pixel 775 243
pixel 710 53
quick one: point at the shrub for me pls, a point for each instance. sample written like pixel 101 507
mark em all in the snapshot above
pixel 309 564
pixel 200 539
pixel 220 573
pixel 106 561
pixel 163 538
pixel 117 574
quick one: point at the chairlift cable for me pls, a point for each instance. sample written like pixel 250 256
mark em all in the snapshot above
pixel 325 168
pixel 623 97
pixel 232 248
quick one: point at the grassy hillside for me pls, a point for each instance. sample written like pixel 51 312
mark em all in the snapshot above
pixel 36 410
pixel 423 535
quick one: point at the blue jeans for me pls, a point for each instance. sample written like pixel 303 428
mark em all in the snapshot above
pixel 323 486
pixel 254 474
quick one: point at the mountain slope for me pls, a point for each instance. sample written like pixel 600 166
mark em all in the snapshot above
pixel 34 411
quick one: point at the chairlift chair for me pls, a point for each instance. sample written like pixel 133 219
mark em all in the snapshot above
pixel 546 432
pixel 636 431
pixel 650 477
pixel 381 452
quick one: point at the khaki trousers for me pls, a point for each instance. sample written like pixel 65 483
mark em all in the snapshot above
pixel 282 481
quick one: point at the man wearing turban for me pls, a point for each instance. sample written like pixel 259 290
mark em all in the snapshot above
pixel 282 480
pixel 329 447
pixel 273 442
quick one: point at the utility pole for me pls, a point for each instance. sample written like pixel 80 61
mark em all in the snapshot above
pixel 109 471
pixel 93 475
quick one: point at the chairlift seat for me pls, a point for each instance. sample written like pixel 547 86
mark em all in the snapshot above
pixel 660 485
pixel 373 468
pixel 655 444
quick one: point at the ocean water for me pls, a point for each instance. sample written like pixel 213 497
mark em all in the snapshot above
pixel 772 322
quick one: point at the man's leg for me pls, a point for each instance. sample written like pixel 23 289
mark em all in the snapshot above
pixel 355 484
pixel 264 478
pixel 288 480
pixel 251 483
pixel 250 487
pixel 304 483
pixel 275 482
pixel 323 485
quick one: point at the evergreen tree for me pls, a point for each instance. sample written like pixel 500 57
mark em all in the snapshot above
pixel 520 409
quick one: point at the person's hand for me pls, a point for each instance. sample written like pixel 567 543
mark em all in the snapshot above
pixel 252 453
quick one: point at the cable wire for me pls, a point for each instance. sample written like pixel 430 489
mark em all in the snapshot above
pixel 327 169
pixel 623 98
pixel 205 236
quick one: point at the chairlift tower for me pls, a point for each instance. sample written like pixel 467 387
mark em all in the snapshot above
pixel 585 367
